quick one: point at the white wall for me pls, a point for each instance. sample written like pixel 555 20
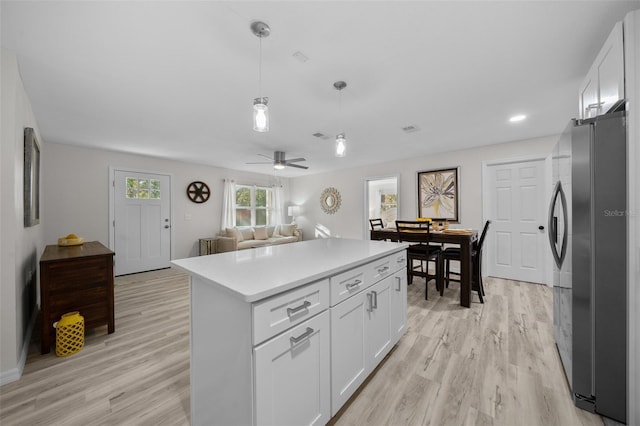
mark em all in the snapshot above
pixel 632 77
pixel 348 222
pixel 20 247
pixel 76 193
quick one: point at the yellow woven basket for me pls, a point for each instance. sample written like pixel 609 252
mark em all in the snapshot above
pixel 69 334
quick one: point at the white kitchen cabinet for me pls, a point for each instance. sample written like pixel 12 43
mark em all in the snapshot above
pixel 604 84
pixel 292 374
pixel 398 305
pixel 270 345
pixel 361 336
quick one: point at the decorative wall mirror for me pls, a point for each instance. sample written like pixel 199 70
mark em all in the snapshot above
pixel 31 178
pixel 330 200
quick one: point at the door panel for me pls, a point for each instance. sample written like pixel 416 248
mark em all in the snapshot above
pixel 142 222
pixel 518 207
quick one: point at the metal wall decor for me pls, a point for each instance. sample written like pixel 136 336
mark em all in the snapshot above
pixel 330 200
pixel 198 192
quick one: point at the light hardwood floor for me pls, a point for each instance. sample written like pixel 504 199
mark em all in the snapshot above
pixel 492 364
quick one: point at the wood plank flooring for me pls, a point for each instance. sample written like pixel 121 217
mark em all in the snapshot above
pixel 493 364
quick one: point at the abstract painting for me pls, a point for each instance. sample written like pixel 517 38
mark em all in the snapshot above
pixel 438 194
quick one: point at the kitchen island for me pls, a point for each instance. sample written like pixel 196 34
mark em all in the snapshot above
pixel 285 334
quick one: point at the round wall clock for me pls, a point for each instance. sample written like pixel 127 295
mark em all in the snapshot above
pixel 198 192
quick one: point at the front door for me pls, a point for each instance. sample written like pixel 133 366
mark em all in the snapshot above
pixel 142 222
pixel 518 209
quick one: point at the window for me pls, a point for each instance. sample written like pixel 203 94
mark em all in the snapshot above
pixel 146 189
pixel 254 206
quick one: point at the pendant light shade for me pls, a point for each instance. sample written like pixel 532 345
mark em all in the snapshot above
pixel 341 140
pixel 260 115
pixel 260 108
pixel 341 145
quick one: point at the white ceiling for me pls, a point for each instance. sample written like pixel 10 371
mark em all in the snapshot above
pixel 177 79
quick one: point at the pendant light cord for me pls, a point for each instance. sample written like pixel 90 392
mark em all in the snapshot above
pixel 260 70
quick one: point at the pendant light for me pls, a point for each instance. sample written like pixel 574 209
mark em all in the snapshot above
pixel 260 108
pixel 341 140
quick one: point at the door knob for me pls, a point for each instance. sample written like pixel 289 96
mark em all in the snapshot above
pixel 541 228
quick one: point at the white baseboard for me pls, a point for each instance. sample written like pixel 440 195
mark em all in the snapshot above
pixel 15 373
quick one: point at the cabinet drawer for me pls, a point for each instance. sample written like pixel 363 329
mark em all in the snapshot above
pixel 280 312
pixel 399 260
pixel 76 274
pixel 381 268
pixel 348 283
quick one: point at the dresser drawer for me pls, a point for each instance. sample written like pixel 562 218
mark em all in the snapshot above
pixel 275 315
pixel 348 283
pixel 73 276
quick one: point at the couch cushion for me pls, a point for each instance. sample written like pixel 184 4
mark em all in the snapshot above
pixel 287 230
pixel 234 233
pixel 252 243
pixel 260 233
pixel 246 231
pixel 270 230
pixel 282 240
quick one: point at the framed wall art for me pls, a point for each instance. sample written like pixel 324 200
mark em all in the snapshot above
pixel 31 178
pixel 438 194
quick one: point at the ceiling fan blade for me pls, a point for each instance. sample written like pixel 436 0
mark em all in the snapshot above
pixel 261 162
pixel 296 165
pixel 267 157
pixel 295 160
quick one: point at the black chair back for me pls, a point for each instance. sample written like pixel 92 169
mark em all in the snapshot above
pixel 484 234
pixel 413 231
pixel 376 224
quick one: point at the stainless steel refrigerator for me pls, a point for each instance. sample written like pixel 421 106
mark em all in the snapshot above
pixel 588 238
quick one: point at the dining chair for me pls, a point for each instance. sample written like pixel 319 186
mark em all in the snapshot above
pixel 453 253
pixel 376 224
pixel 423 252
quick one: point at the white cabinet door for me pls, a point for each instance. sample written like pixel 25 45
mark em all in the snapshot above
pixel 348 348
pixel 398 305
pixel 292 375
pixel 604 83
pixel 378 324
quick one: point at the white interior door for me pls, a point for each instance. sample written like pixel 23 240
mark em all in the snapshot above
pixel 518 205
pixel 142 222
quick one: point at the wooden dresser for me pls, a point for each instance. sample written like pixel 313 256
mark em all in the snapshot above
pixel 77 278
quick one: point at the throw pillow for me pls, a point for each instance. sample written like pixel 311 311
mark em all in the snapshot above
pixel 287 230
pixel 234 233
pixel 247 232
pixel 260 233
pixel 270 230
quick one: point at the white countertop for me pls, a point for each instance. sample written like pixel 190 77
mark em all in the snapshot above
pixel 257 273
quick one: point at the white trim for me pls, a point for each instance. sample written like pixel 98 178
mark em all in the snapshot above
pixel 112 207
pixel 365 205
pixel 486 199
pixel 16 373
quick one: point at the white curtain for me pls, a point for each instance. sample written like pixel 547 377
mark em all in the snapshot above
pixel 278 201
pixel 228 205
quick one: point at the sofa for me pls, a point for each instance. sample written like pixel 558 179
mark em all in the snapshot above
pixel 244 237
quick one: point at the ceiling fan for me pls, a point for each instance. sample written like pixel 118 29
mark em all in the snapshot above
pixel 279 161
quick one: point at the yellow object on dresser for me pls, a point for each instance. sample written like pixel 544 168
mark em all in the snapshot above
pixel 70 240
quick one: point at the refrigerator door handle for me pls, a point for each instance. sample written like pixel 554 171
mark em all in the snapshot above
pixel 558 194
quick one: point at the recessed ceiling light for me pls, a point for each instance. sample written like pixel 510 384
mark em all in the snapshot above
pixel 517 118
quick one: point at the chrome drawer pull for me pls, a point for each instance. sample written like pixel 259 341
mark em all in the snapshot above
pixel 399 288
pixel 370 298
pixel 292 311
pixel 400 260
pixel 383 270
pixel 304 335
pixel 353 284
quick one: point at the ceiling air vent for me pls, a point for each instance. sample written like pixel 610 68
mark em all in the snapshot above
pixel 410 129
pixel 321 136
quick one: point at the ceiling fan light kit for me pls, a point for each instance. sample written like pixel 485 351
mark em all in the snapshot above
pixel 260 108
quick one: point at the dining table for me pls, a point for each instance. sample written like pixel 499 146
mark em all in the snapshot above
pixel 462 237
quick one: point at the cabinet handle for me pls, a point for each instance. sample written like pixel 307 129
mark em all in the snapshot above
pixel 370 298
pixel 401 260
pixel 375 299
pixel 383 270
pixel 399 288
pixel 292 311
pixel 353 284
pixel 304 335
